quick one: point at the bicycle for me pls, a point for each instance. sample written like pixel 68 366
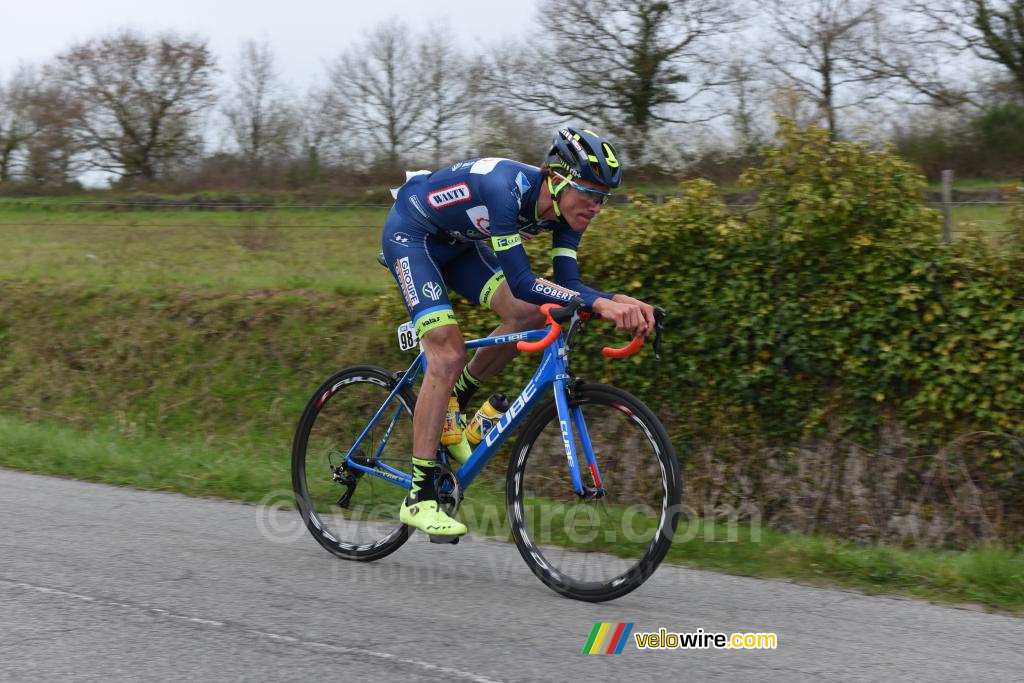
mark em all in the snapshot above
pixel 356 432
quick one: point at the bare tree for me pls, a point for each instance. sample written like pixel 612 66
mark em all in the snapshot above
pixel 991 30
pixel 816 48
pixel 499 132
pixel 323 118
pixel 382 83
pixel 744 100
pixel 447 76
pixel 54 151
pixel 142 99
pixel 16 124
pixel 627 65
pixel 261 122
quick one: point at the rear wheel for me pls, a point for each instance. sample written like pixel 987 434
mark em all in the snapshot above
pixel 352 514
pixel 596 548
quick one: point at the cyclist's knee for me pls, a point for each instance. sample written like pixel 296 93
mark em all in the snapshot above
pixel 445 351
pixel 446 364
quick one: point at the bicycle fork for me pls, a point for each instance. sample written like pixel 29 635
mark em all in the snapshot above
pixel 567 419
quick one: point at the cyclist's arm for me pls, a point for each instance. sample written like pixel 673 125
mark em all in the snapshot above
pixel 524 283
pixel 564 244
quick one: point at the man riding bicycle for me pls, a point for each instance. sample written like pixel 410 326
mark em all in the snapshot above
pixel 437 235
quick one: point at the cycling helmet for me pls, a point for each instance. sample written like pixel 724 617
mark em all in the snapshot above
pixel 583 154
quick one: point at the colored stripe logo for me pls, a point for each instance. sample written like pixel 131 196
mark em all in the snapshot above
pixel 608 639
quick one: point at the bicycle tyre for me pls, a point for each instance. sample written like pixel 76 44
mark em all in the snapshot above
pixel 615 420
pixel 333 418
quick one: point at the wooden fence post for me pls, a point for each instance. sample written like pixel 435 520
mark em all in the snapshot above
pixel 947 206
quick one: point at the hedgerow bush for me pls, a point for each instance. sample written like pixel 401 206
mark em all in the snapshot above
pixel 826 356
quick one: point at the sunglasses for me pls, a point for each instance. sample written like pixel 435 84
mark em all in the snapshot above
pixel 594 196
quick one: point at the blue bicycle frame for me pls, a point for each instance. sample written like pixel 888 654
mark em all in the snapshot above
pixel 553 370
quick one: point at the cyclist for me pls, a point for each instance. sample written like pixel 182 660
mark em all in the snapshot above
pixel 436 236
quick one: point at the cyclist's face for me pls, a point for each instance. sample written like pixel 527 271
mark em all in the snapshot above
pixel 580 207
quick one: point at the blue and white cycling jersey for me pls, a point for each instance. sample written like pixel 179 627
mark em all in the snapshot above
pixel 494 200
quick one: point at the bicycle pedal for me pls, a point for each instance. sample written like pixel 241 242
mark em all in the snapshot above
pixel 451 540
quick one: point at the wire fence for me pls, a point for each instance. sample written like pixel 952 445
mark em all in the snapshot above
pixel 954 221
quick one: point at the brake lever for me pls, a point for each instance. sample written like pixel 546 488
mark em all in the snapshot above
pixel 659 317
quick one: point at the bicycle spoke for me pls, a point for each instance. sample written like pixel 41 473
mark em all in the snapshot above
pixel 368 522
pixel 595 549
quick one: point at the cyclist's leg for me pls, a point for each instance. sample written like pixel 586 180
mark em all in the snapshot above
pixel 476 275
pixel 446 356
pixel 415 259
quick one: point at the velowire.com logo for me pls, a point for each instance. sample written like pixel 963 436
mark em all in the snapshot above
pixel 607 639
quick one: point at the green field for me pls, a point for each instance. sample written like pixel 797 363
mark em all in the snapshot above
pixel 326 250
pixel 175 349
pixel 985 222
pixel 289 249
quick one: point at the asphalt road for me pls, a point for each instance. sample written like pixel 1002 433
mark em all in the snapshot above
pixel 100 583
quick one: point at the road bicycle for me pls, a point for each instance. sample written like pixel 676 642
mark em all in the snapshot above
pixel 592 487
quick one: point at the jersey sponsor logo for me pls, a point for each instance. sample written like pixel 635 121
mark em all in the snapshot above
pixel 401 239
pixel 404 271
pixel 446 196
pixel 550 289
pixel 480 218
pixel 429 322
pixel 463 165
pixel 503 242
pixel 485 165
pixel 432 291
pixel 522 183
pixel 490 287
pixel 520 188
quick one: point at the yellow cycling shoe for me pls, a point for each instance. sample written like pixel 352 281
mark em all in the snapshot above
pixel 427 515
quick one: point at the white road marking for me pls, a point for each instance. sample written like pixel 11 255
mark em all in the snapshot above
pixel 252 632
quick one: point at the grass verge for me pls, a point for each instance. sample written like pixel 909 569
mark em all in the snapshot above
pixel 248 471
pixel 327 250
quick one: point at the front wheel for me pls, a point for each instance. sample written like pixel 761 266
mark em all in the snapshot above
pixel 601 548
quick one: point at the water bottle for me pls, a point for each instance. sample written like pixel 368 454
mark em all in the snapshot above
pixel 488 415
pixel 451 433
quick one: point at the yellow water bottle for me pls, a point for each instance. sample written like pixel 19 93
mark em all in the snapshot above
pixel 451 433
pixel 485 419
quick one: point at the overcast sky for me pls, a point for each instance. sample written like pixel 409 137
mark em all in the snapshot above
pixel 303 33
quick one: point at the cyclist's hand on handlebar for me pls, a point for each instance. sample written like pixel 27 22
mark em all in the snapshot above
pixel 625 315
pixel 648 310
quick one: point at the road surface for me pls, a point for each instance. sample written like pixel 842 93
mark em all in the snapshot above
pixel 99 582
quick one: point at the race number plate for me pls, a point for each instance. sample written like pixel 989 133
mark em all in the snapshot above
pixel 407 336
